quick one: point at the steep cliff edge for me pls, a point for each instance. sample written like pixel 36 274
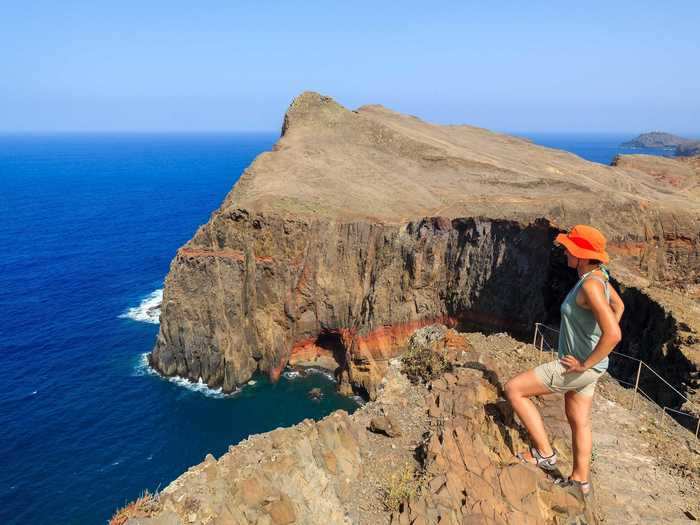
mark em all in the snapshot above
pixel 361 226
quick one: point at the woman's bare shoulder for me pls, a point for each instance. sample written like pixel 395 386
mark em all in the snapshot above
pixel 591 289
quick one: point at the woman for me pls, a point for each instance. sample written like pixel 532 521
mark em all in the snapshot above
pixel 589 330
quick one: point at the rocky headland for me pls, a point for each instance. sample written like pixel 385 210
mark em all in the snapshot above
pixel 361 226
pixel 362 229
pixel 682 147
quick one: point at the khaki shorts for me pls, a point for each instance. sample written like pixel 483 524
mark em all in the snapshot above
pixel 553 376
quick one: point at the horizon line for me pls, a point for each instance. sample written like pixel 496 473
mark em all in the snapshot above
pixel 272 131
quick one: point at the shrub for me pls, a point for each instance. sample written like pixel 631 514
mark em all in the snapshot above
pixel 423 364
pixel 145 506
pixel 401 486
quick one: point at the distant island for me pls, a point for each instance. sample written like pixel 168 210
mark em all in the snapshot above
pixel 659 140
pixel 656 139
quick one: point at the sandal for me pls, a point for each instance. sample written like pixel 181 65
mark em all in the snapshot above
pixel 584 487
pixel 544 462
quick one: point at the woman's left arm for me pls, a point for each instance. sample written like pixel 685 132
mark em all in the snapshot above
pixel 607 321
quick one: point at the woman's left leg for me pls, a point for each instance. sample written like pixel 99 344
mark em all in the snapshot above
pixel 578 412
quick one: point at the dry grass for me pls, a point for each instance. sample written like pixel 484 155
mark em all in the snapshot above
pixel 145 506
pixel 401 486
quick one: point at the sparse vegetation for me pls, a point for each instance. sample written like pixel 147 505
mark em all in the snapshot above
pixel 145 506
pixel 401 486
pixel 423 364
pixel 191 504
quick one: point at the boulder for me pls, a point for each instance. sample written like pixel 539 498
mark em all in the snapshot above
pixel 385 425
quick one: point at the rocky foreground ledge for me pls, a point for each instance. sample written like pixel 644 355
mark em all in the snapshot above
pixel 440 452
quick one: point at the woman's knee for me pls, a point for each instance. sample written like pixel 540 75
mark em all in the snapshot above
pixel 511 390
pixel 579 423
pixel 578 413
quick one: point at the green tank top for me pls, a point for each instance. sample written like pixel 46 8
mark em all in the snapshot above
pixel 579 331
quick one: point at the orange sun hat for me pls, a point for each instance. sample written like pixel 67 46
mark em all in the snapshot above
pixel 584 242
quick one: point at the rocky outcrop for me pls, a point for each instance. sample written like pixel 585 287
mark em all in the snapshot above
pixel 468 464
pixel 281 477
pixel 312 473
pixel 361 226
pixel 452 462
pixel 655 139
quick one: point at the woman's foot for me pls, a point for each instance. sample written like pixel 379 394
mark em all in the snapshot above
pixel 584 487
pixel 534 457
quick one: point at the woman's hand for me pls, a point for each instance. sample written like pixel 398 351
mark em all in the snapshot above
pixel 572 365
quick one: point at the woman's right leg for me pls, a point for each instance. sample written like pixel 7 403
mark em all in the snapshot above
pixel 518 391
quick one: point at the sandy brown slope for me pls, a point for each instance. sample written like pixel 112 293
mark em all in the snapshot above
pixel 374 163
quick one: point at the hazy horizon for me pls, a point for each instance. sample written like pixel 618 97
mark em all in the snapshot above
pixel 592 133
pixel 161 67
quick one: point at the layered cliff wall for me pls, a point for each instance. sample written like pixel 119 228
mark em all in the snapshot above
pixel 361 226
pixel 276 290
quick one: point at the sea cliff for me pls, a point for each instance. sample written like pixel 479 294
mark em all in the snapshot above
pixel 361 226
pixel 345 244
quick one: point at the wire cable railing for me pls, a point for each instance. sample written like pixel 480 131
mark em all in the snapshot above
pixel 539 341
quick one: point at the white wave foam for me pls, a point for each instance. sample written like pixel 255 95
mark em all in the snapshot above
pixel 327 373
pixel 201 387
pixel 148 311
pixel 291 374
pixel 143 368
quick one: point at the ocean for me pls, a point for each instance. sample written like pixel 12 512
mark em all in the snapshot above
pixel 90 224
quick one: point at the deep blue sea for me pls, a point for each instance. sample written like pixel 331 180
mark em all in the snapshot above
pixel 89 226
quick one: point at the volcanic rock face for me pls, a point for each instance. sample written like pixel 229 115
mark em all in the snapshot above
pixel 351 293
pixel 361 226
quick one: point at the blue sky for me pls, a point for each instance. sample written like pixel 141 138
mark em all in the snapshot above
pixel 235 65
